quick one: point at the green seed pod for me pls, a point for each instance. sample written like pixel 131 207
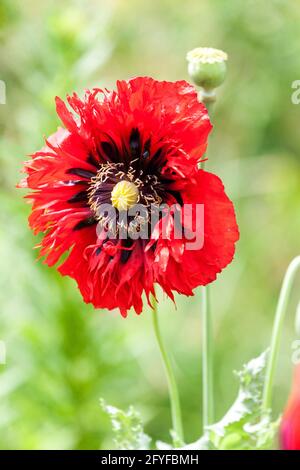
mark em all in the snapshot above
pixel 207 67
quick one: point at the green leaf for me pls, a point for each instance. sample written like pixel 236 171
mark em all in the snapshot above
pixel 243 427
pixel 127 428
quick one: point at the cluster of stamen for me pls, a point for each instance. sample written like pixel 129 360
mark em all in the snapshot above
pixel 123 188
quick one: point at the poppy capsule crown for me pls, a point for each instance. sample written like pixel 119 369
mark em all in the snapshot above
pixel 138 145
pixel 124 195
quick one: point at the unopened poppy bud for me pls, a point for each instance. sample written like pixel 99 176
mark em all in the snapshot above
pixel 207 67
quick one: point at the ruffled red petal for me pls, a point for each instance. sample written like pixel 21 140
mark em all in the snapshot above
pixel 290 423
pixel 181 269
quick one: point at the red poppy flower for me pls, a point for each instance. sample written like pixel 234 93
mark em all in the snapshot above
pixel 139 144
pixel 290 424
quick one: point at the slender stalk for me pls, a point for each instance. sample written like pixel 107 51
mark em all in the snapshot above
pixel 207 333
pixel 277 331
pixel 297 320
pixel 173 391
pixel 207 360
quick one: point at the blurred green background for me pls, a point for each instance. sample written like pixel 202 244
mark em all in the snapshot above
pixel 62 355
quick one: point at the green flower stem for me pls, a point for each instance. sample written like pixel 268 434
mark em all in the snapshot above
pixel 173 391
pixel 297 320
pixel 207 336
pixel 207 360
pixel 277 332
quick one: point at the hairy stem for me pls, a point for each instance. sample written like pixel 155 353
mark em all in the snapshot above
pixel 277 331
pixel 207 360
pixel 173 391
pixel 207 333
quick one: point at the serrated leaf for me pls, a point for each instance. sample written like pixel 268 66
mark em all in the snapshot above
pixel 243 427
pixel 127 428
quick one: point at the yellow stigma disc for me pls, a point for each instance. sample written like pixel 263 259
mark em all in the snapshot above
pixel 124 195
